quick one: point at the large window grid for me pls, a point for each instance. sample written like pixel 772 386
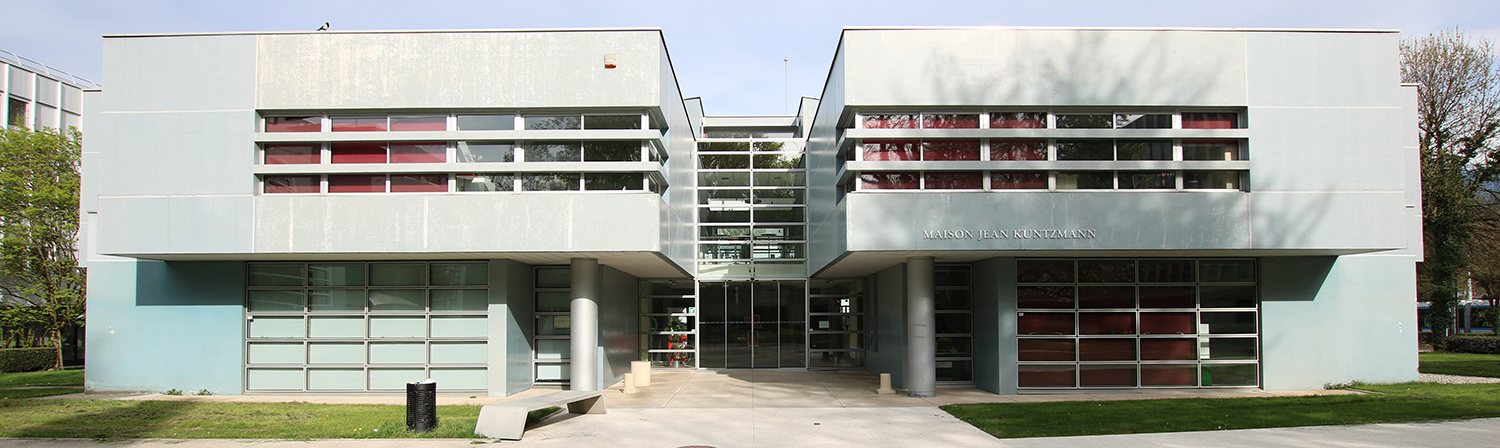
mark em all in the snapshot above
pixel 464 183
pixel 1039 119
pixel 551 337
pixel 752 214
pixel 1137 323
pixel 355 326
pixel 836 324
pixel 669 323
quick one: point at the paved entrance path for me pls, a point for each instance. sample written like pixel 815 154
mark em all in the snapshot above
pixel 752 409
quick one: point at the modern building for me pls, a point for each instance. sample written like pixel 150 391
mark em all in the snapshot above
pixel 38 96
pixel 1022 210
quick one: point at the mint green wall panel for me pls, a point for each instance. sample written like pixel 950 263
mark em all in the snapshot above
pixel 278 327
pixel 394 379
pixel 398 353
pixel 276 379
pixel 336 353
pixel 459 327
pixel 277 353
pixel 398 327
pixel 460 379
pixel 336 327
pixel 458 352
pixel 336 379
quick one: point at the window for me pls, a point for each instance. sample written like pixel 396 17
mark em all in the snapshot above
pixel 1085 180
pixel 1211 150
pixel 891 150
pixel 1151 180
pixel 468 122
pixel 291 184
pixel 612 181
pixel 1018 150
pixel 419 123
pixel 1085 150
pixel 553 151
pixel 553 122
pixel 889 121
pixel 288 153
pixel 357 152
pixel 485 182
pixel 419 183
pixel 356 183
pixel 1143 149
pixel 888 181
pixel 359 124
pixel 1085 121
pixel 611 121
pixel 294 124
pixel 549 182
pixel 419 152
pixel 723 146
pixel 620 151
pixel 953 180
pixel 1214 180
pixel 1018 180
pixel 486 152
pixel 1143 121
pixel 1217 120
pixel 1018 120
pixel 950 121
pixel 950 150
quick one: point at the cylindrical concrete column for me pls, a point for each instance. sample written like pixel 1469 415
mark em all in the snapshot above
pixel 584 329
pixel 921 347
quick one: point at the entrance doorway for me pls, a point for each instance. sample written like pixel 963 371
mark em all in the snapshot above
pixel 752 325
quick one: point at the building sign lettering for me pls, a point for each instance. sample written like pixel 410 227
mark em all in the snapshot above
pixel 1017 234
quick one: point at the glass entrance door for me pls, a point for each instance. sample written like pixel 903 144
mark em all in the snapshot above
pixel 753 325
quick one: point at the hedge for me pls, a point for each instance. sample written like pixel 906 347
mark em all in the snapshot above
pixel 1474 343
pixel 27 359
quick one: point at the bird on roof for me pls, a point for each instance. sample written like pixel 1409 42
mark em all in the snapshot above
pixel 324 27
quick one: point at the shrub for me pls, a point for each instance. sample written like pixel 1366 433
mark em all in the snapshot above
pixel 1473 343
pixel 27 359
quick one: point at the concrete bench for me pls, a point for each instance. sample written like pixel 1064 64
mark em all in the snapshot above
pixel 507 420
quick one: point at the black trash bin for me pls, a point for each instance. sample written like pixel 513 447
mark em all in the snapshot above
pixel 421 406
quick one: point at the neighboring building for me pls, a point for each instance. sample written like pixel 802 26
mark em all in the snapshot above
pixel 38 96
pixel 1021 210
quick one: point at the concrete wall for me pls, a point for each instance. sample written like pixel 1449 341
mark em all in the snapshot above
pixel 619 321
pixel 889 306
pixel 154 326
pixel 510 327
pixel 995 355
pixel 1337 320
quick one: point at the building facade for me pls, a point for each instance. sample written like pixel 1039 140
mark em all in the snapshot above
pixel 1020 210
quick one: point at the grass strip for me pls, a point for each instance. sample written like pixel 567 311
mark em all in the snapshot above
pixel 60 378
pixel 111 419
pixel 1467 364
pixel 1396 403
pixel 17 394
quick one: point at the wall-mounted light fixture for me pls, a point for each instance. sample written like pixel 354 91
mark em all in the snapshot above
pixel 609 60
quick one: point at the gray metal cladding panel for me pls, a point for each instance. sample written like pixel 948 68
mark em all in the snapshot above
pixel 173 153
pixel 458 223
pixel 1045 67
pixel 1324 220
pixel 1049 221
pixel 197 73
pixel 175 224
pixel 1323 69
pixel 1327 148
pixel 479 69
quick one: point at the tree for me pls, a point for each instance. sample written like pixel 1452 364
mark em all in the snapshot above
pixel 1459 116
pixel 39 226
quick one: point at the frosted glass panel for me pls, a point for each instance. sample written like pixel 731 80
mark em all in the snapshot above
pixel 336 327
pixel 397 327
pixel 277 327
pixel 276 274
pixel 336 353
pixel 336 379
pixel 275 379
pixel 546 372
pixel 398 353
pixel 336 301
pixel 460 274
pixel 340 274
pixel 394 379
pixel 263 353
pixel 458 352
pixel 460 327
pixel 553 348
pixel 263 301
pixel 460 299
pixel 460 379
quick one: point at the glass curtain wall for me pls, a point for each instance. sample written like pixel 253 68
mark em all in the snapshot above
pixel 669 323
pixel 752 215
pixel 954 324
pixel 353 326
pixel 749 325
pixel 1137 323
pixel 836 323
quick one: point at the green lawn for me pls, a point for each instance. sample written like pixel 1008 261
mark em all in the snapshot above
pixel 1469 364
pixel 111 419
pixel 15 394
pixel 1408 402
pixel 71 378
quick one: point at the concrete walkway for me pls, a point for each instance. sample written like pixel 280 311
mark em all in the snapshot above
pixel 721 409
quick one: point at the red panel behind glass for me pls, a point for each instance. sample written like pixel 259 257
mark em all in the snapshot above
pixel 950 121
pixel 1165 349
pixel 1106 375
pixel 1106 323
pixel 950 150
pixel 890 121
pixel 357 152
pixel 1106 350
pixel 419 183
pixel 1208 121
pixel 419 123
pixel 371 124
pixel 419 152
pixel 876 150
pixel 1167 323
pixel 1018 180
pixel 1045 323
pixel 1168 375
pixel 280 154
pixel 294 124
pixel 356 184
pixel 1045 349
pixel 1045 376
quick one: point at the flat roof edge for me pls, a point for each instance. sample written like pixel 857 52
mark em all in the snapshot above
pixel 1125 28
pixel 453 31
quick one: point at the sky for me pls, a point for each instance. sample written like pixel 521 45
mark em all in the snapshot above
pixel 742 58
